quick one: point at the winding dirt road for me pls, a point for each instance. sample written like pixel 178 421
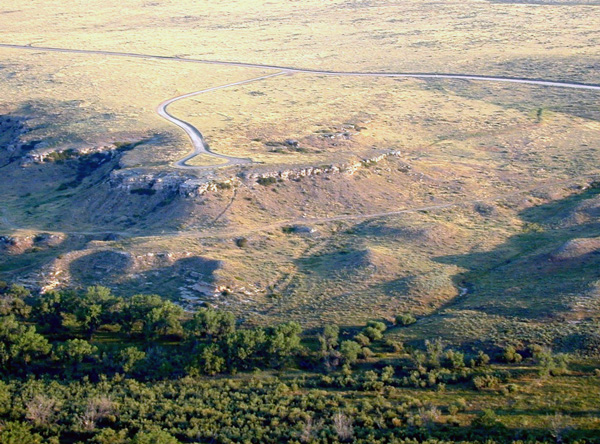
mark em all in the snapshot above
pixel 198 142
pixel 200 145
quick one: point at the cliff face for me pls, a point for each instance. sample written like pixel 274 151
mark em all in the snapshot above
pixel 183 185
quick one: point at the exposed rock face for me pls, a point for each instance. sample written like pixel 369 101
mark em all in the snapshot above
pixel 48 240
pixel 196 187
pixel 183 185
pixel 15 245
pixel 175 182
pixel 42 153
pixel 21 244
pixel 348 169
pixel 128 180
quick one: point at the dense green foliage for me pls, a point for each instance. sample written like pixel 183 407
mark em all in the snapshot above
pixel 93 367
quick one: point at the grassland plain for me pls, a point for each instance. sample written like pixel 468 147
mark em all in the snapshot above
pixel 479 163
pixel 412 35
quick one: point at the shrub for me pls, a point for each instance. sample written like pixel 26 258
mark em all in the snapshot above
pixel 362 339
pixel 487 419
pixel 366 353
pixel 350 351
pixel 374 330
pixel 454 359
pixel 405 319
pixel 266 181
pixel 482 359
pixel 485 381
pixel 394 346
pixel 510 354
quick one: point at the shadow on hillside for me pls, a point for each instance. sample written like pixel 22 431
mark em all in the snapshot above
pixel 530 276
pixel 161 273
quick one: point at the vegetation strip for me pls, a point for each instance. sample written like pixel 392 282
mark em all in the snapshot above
pixel 89 366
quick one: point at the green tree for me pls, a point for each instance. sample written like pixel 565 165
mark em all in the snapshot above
pixel 74 351
pixel 482 359
pixel 510 354
pixel 329 338
pixel 20 344
pixel 163 320
pixel 243 346
pixel 212 361
pixel 487 420
pixel 154 436
pixel 362 339
pixel 211 324
pixel 12 301
pixel 130 358
pixel 283 341
pixel 5 395
pixel 110 436
pixel 349 351
pixel 18 433
pixel 405 319
pixel 552 364
pixel 387 374
pixel 328 341
pixel 434 350
pixel 133 314
pixel 374 330
pixel 150 315
pixel 50 309
pixel 455 359
pixel 95 308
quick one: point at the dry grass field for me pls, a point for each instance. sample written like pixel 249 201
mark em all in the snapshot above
pixel 78 101
pixel 460 36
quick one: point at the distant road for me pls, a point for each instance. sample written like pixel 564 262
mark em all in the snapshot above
pixel 539 82
pixel 200 146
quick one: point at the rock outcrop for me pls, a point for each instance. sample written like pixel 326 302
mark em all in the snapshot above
pixel 179 183
pixel 347 169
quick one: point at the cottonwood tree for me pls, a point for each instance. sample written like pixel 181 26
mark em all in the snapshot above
pixel 283 341
pixel 211 324
pixel 20 344
pixel 95 308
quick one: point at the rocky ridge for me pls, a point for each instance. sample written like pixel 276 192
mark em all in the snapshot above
pixel 183 185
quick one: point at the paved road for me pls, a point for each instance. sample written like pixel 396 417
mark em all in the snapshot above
pixel 200 145
pixel 539 82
